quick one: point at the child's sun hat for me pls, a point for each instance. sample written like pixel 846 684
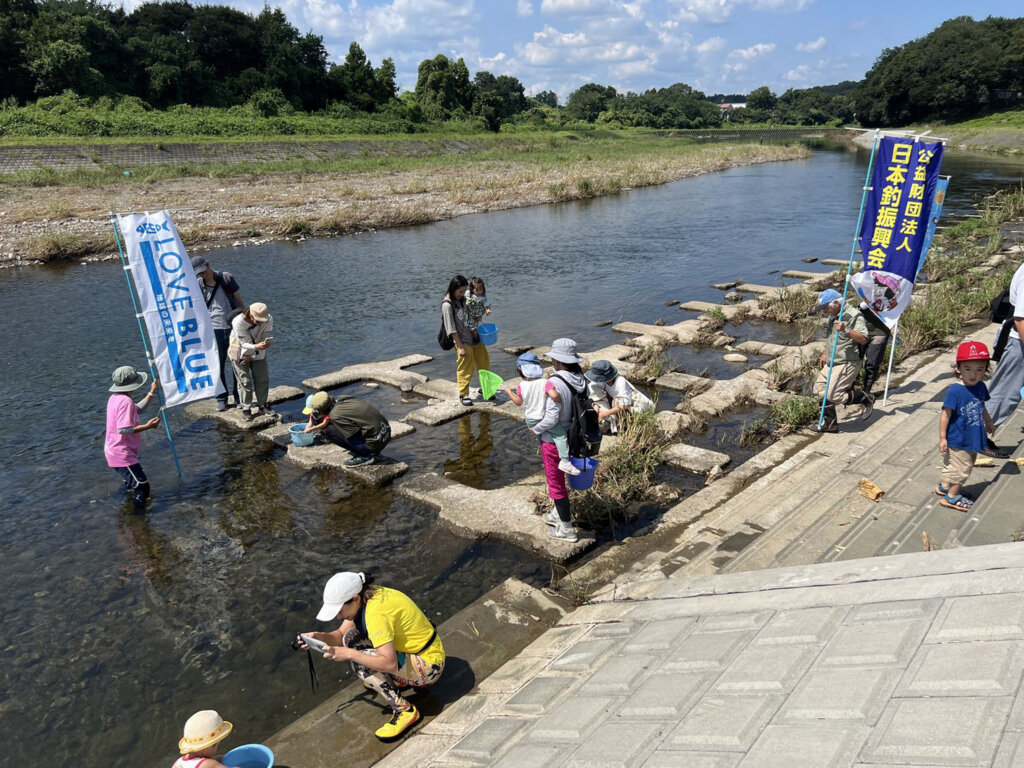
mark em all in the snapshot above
pixel 204 729
pixel 601 371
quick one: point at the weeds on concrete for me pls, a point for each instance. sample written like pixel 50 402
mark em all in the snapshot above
pixel 787 304
pixel 714 318
pixel 625 473
pixel 786 416
pixel 649 363
pixel 563 585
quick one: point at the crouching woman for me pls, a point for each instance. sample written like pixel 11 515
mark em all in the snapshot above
pixel 389 641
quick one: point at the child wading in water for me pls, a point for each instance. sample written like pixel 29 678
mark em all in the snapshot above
pixel 537 394
pixel 963 424
pixel 477 304
pixel 198 745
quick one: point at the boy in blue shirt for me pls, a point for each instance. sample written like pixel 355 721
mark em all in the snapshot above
pixel 963 424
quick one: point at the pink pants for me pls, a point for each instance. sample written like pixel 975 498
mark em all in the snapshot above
pixel 554 476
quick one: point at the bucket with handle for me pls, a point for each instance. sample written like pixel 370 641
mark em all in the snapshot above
pixel 249 756
pixel 490 383
pixel 299 435
pixel 488 333
pixel 585 478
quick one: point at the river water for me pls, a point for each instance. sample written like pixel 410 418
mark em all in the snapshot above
pixel 116 628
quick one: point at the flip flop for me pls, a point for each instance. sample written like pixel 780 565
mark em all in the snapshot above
pixel 959 503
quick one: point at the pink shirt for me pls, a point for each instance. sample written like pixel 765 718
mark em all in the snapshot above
pixel 122 450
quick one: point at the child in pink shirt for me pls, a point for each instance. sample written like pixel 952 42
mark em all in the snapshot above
pixel 537 394
pixel 123 440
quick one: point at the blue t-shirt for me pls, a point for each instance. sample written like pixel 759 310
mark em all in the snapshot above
pixel 966 431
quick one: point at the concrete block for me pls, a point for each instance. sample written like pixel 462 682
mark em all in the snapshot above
pixel 979 617
pixel 574 719
pixel 892 611
pixel 331 456
pixel 940 731
pixel 664 697
pixel 418 752
pixel 768 670
pixel 584 655
pixel 616 745
pixel 669 759
pixel 683 382
pixel 279 433
pixel 554 642
pixel 385 371
pixel 438 413
pixel 990 668
pixel 461 715
pixel 885 643
pixel 726 723
pixel 539 694
pixel 732 622
pixel 854 696
pixel 511 676
pixel 1011 751
pixel 485 743
pixel 699 306
pixel 708 651
pixel 612 630
pixel 658 636
pixel 534 756
pixel 811 625
pixel 618 675
pixel 818 746
pixel 692 458
pixel 207 409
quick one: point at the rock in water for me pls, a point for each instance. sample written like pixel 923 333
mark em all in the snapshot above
pixel 734 357
pixel 733 296
pixel 809 260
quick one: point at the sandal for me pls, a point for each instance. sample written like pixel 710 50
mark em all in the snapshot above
pixel 467 401
pixel 940 491
pixel 959 503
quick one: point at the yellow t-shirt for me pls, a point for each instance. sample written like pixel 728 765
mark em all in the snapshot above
pixel 391 617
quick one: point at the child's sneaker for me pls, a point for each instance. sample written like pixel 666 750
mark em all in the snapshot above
pixel 564 531
pixel 565 465
pixel 551 517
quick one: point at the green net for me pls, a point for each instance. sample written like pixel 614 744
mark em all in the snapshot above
pixel 489 383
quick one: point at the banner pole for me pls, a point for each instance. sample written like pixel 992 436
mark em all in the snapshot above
pixel 849 269
pixel 892 354
pixel 145 342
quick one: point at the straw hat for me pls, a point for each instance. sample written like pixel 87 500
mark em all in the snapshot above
pixel 259 312
pixel 204 729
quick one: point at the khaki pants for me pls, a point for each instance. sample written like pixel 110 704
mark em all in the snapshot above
pixel 844 376
pixel 957 466
pixel 253 382
pixel 475 359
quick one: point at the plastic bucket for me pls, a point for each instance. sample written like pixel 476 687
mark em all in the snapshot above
pixel 585 478
pixel 249 756
pixel 488 333
pixel 299 435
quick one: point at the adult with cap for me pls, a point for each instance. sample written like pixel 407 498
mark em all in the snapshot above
pixel 353 424
pixel 567 380
pixel 198 744
pixel 613 395
pixel 471 354
pixel 874 353
pixel 1005 385
pixel 247 348
pixel 123 436
pixel 850 334
pixel 389 641
pixel 222 296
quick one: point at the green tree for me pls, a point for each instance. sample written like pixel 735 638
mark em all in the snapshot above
pixel 443 87
pixel 761 99
pixel 16 78
pixel 588 101
pixel 547 98
pixel 385 77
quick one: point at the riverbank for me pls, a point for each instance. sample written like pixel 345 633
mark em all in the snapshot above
pixel 249 203
pixel 1002 133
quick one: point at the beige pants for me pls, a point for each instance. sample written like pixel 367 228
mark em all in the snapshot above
pixel 844 376
pixel 956 466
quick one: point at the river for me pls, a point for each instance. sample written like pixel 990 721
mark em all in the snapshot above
pixel 116 628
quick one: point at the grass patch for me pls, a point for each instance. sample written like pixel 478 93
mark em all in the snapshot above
pixel 64 247
pixel 785 418
pixel 649 363
pixel 625 473
pixel 787 304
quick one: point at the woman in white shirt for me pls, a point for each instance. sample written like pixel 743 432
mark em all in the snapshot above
pixel 250 337
pixel 612 395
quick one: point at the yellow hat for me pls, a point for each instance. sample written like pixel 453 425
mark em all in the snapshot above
pixel 204 729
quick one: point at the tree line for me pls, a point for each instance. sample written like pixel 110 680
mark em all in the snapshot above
pixel 165 54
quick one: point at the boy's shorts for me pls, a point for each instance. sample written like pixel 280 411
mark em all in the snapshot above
pixel 957 466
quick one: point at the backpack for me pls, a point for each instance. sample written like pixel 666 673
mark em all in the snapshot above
pixel 444 340
pixel 1001 307
pixel 584 430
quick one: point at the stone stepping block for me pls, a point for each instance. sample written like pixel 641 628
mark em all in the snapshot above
pixel 389 372
pixel 443 411
pixel 617 354
pixel 803 274
pixel 765 348
pixel 331 456
pixel 760 290
pixel 673 424
pixel 648 334
pixel 724 395
pixel 233 416
pixel 726 286
pixel 692 458
pixel 683 382
pixel 699 306
pixel 279 433
pixel 504 514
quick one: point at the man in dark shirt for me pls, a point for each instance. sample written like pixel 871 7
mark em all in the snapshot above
pixel 220 291
pixel 353 424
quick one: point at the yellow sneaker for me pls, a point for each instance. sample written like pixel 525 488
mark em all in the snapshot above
pixel 398 724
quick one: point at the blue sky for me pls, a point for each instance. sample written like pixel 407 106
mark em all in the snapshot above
pixel 716 46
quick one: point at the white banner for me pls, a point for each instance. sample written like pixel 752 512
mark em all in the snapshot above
pixel 180 330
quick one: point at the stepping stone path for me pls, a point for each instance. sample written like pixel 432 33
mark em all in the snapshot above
pixel 386 372
pixel 233 416
pixel 693 458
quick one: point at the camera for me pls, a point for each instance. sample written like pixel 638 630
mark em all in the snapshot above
pixel 297 643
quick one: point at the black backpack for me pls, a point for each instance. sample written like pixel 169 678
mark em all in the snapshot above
pixel 444 340
pixel 1001 307
pixel 584 431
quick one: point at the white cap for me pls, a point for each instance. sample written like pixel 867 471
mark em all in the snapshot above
pixel 340 588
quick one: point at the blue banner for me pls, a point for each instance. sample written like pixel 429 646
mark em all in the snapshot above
pixel 896 217
pixel 940 197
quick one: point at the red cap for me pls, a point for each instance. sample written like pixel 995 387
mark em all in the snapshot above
pixel 971 350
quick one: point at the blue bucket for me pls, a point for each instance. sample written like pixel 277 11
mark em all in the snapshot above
pixel 300 436
pixel 585 478
pixel 488 333
pixel 249 756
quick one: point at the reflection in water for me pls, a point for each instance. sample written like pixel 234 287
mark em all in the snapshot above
pixel 472 467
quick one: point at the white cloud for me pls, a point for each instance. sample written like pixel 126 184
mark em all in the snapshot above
pixel 524 8
pixel 798 74
pixel 579 7
pixel 811 47
pixel 617 52
pixel 753 52
pixel 711 45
